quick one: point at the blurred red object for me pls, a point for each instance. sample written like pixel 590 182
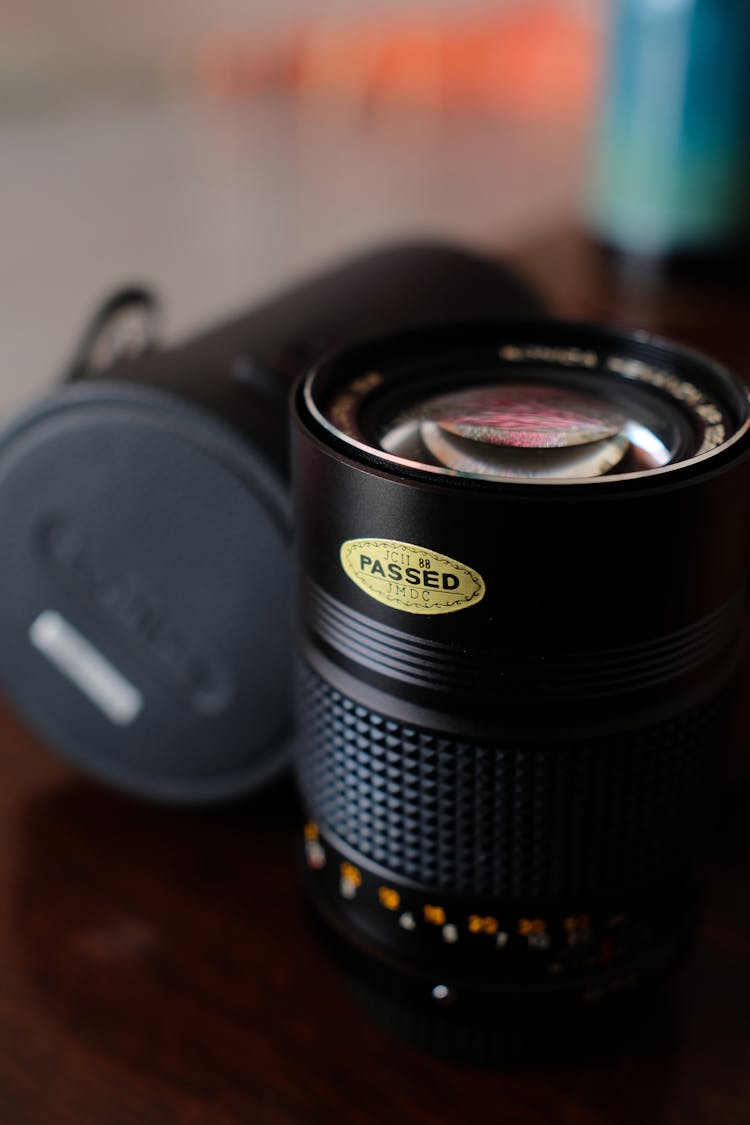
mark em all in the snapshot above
pixel 538 60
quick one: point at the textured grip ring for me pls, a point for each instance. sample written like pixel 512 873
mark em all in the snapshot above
pixel 590 817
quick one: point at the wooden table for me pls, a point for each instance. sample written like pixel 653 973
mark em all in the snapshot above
pixel 157 965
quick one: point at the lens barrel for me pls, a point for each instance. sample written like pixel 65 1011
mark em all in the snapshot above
pixel 513 689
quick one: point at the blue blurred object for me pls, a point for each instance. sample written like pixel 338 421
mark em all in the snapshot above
pixel 672 170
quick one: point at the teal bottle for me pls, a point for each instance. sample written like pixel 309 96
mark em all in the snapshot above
pixel 672 163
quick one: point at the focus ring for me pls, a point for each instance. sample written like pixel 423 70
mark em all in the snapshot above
pixel 602 816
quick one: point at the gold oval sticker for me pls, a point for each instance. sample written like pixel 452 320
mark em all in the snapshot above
pixel 414 579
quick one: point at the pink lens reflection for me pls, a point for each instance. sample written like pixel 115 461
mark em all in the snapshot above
pixel 525 416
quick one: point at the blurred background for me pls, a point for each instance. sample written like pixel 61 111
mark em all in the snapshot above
pixel 219 149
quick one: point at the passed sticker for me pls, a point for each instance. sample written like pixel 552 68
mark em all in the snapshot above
pixel 414 579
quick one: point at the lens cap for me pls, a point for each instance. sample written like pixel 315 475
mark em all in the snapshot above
pixel 145 571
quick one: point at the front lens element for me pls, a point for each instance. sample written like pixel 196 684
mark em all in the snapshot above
pixel 534 412
pixel 515 430
pixel 526 416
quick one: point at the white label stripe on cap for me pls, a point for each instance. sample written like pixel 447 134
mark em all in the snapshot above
pixel 85 667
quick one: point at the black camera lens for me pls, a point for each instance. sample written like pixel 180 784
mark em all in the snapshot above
pixel 522 553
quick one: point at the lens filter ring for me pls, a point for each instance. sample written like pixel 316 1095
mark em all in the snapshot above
pixel 547 402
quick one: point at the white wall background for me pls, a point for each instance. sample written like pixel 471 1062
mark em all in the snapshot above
pixel 113 168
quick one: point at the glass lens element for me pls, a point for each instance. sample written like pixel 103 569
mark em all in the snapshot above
pixel 533 430
pixel 525 416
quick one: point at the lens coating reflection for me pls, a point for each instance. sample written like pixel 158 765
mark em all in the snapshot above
pixel 525 416
pixel 533 430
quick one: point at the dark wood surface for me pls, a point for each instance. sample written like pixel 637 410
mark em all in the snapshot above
pixel 157 965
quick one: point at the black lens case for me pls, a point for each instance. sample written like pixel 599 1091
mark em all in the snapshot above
pixel 145 571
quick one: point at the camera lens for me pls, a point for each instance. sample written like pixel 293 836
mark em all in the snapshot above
pixel 522 556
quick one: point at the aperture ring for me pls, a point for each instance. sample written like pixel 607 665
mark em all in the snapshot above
pixel 519 948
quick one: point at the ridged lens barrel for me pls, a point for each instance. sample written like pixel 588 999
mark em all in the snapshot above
pixel 522 553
